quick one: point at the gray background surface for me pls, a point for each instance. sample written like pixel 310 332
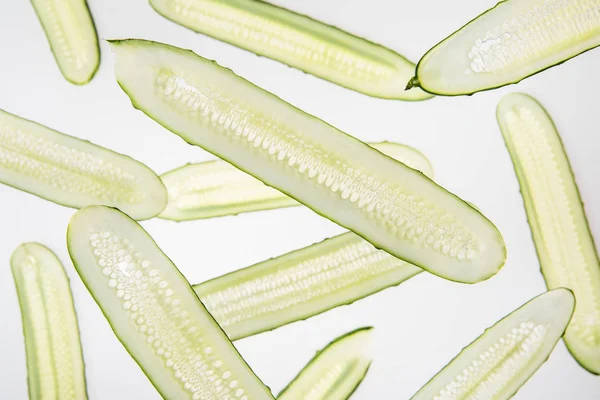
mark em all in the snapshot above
pixel 421 324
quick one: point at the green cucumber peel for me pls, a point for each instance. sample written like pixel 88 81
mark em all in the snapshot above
pixel 389 204
pixel 560 230
pixel 55 368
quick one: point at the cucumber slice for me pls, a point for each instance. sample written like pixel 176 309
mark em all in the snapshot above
pixel 335 372
pixel 391 205
pixel 554 209
pixel 55 366
pixel 154 312
pixel 298 41
pixel 73 172
pixel 72 36
pixel 216 188
pixel 502 359
pixel 510 42
pixel 300 284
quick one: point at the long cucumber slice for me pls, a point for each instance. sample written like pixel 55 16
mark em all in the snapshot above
pixel 300 284
pixel 298 41
pixel 73 172
pixel 393 206
pixel 554 209
pixel 72 36
pixel 54 360
pixel 154 312
pixel 510 42
pixel 216 188
pixel 335 372
pixel 496 364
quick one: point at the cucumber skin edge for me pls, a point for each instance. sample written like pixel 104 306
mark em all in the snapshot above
pixel 377 246
pixel 98 52
pixel 23 321
pixel 323 350
pixel 104 313
pixel 530 220
pixel 491 87
pixel 379 46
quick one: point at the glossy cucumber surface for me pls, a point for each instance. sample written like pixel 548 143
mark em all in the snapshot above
pixel 561 234
pixel 389 204
pixel 298 41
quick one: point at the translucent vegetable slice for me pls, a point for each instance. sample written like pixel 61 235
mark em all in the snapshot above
pixel 154 312
pixel 54 361
pixel 393 206
pixel 300 284
pixel 73 172
pixel 499 362
pixel 298 41
pixel 216 188
pixel 513 40
pixel 554 208
pixel 335 372
pixel 70 30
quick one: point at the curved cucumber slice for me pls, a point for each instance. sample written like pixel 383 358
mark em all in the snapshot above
pixel 560 230
pixel 70 30
pixel 391 205
pixel 335 372
pixel 216 188
pixel 298 41
pixel 513 40
pixel 54 361
pixel 300 284
pixel 154 311
pixel 501 360
pixel 73 172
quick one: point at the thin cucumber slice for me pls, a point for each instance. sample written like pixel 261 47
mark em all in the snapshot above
pixel 501 360
pixel 154 312
pixel 300 284
pixel 216 188
pixel 393 206
pixel 335 372
pixel 73 172
pixel 298 41
pixel 510 42
pixel 554 209
pixel 72 36
pixel 55 366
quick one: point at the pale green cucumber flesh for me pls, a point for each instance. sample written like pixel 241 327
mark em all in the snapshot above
pixel 72 36
pixel 496 364
pixel 561 234
pixel 510 42
pixel 73 172
pixel 55 368
pixel 154 312
pixel 391 205
pixel 216 188
pixel 335 372
pixel 298 41
pixel 300 284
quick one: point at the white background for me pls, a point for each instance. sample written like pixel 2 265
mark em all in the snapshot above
pixel 419 325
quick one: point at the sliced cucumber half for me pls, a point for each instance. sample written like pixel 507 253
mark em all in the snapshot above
pixel 72 36
pixel 298 41
pixel 499 362
pixel 391 205
pixel 300 284
pixel 73 172
pixel 561 234
pixel 335 372
pixel 513 40
pixel 154 312
pixel 55 368
pixel 216 188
